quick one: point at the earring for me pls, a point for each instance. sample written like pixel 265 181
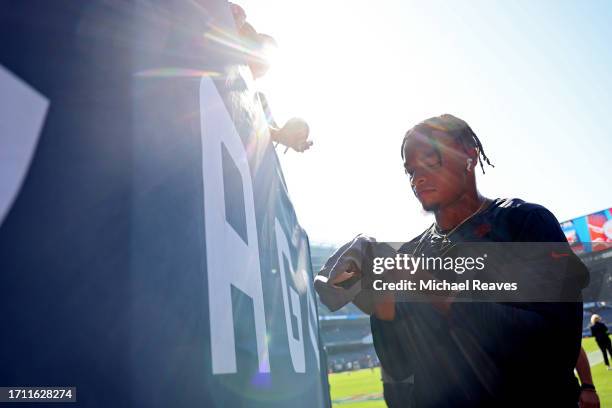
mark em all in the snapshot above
pixel 469 164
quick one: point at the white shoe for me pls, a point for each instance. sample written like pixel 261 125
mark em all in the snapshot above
pixel 609 368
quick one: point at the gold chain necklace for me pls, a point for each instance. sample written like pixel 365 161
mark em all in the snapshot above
pixel 445 236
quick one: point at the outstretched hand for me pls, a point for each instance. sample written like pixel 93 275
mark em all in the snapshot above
pixel 351 271
pixel 295 135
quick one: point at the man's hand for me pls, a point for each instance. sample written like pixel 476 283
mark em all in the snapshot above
pixel 294 135
pixel 351 271
pixel 344 276
pixel 588 399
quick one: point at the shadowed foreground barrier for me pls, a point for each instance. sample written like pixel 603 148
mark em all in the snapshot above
pixel 149 252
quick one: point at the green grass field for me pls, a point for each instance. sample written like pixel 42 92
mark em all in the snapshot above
pixel 363 389
pixel 601 376
pixel 589 344
pixel 357 389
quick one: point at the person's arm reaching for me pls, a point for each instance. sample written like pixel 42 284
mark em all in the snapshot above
pixel 341 280
pixel 294 135
pixel 588 395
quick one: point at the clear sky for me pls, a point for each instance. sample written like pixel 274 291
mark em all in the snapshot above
pixel 532 78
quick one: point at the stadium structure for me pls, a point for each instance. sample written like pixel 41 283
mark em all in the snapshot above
pixel 346 333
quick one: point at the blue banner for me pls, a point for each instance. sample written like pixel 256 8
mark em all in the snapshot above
pixel 149 252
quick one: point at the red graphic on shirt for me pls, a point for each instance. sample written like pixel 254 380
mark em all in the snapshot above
pixel 482 230
pixel 557 255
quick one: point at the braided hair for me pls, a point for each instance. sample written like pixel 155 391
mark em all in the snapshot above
pixel 452 126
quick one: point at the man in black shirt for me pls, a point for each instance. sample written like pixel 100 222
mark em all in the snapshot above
pixel 480 354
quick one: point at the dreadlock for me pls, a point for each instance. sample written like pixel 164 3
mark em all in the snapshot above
pixel 453 126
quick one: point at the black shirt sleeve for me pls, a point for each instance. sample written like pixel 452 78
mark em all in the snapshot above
pixel 540 225
pixel 393 348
